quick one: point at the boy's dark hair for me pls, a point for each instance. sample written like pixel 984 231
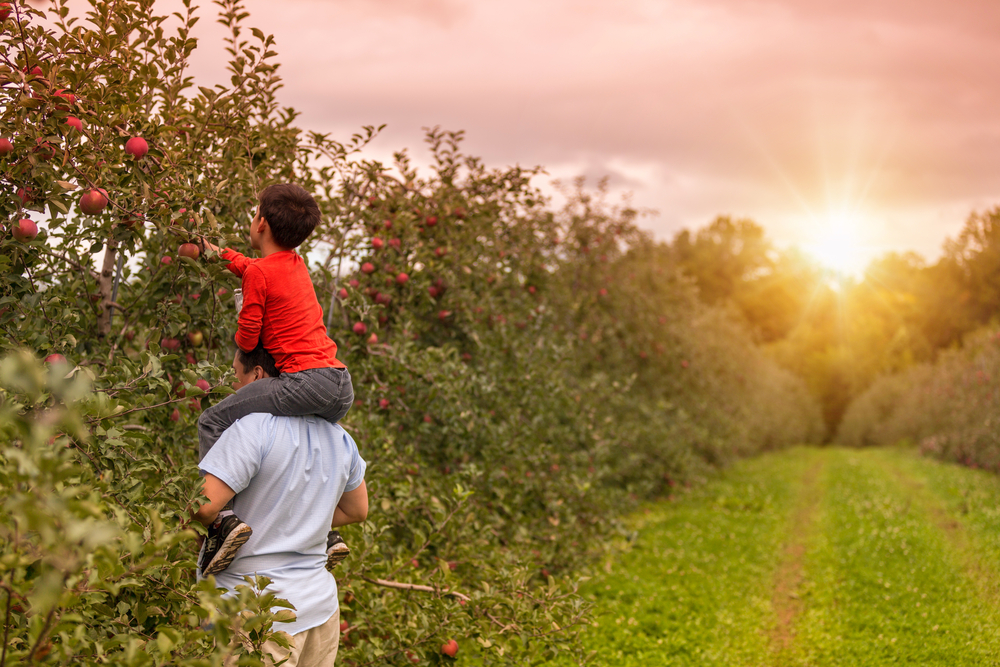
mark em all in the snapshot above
pixel 290 211
pixel 258 357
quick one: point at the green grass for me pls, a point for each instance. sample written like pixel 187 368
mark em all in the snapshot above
pixel 884 585
pixel 694 586
pixel 899 567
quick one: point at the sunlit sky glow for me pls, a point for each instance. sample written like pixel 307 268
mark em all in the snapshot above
pixel 777 110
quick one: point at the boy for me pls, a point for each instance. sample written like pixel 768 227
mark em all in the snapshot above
pixel 281 314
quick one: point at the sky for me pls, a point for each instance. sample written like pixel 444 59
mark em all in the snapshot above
pixel 857 126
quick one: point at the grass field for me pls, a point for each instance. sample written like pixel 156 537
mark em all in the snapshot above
pixel 810 557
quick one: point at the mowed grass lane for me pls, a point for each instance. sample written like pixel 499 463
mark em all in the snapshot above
pixel 885 583
pixel 695 587
pixel 810 557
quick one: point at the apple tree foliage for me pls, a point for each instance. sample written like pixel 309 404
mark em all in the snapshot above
pixel 524 373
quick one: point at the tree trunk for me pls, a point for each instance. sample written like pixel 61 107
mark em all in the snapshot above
pixel 105 283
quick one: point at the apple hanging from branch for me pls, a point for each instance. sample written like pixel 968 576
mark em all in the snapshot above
pixel 94 201
pixel 136 147
pixel 450 648
pixel 24 230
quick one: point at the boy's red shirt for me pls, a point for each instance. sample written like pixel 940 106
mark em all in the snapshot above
pixel 280 309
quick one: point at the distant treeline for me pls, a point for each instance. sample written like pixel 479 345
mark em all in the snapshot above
pixel 841 334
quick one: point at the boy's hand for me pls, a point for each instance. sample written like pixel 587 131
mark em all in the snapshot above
pixel 204 244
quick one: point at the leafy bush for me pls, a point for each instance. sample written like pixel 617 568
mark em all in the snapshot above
pixel 947 407
pixel 523 374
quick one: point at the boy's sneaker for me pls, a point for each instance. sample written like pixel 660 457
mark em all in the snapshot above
pixel 336 549
pixel 225 537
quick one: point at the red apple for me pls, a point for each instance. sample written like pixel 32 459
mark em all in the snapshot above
pixel 24 230
pixel 383 403
pixel 377 243
pixel 4 11
pixel 459 212
pixel 55 359
pixel 93 201
pixel 359 328
pixel 136 147
pixel 428 419
pixel 203 384
pixel 195 404
pixel 433 291
pixel 175 415
pixel 602 292
pixel 444 314
pixel 222 291
pixel 189 250
pixel 395 243
pixel 387 224
pixel 166 259
pixel 450 648
pixel 191 359
pixel 45 150
pixel 368 267
pixel 69 98
pixel 343 626
pixel 431 221
pixel 354 283
pixel 5 147
pixel 171 344
pixel 402 279
pixel 383 299
pixel 373 339
pixel 75 123
pixel 441 252
pixel 195 338
pixel 342 293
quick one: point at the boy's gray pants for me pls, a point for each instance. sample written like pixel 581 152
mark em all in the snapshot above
pixel 325 392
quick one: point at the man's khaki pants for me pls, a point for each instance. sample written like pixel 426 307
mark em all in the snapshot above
pixel 316 647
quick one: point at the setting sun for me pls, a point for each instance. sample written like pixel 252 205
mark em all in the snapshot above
pixel 836 243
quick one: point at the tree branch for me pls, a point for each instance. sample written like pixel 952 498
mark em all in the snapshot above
pixel 399 585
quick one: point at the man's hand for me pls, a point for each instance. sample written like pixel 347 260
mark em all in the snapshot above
pixel 218 493
pixel 352 508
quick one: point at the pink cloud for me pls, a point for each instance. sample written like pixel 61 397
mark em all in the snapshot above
pixel 771 109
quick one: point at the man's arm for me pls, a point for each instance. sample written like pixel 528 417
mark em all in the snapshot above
pixel 352 508
pixel 219 493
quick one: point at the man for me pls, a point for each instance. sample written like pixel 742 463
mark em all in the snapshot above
pixel 295 477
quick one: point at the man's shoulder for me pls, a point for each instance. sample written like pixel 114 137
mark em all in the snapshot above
pixel 262 421
pixel 255 419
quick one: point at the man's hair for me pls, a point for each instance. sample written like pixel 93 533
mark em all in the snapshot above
pixel 291 213
pixel 258 357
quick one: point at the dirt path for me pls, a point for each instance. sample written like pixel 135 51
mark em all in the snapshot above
pixel 787 600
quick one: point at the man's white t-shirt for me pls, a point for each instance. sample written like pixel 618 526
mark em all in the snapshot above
pixel 289 474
